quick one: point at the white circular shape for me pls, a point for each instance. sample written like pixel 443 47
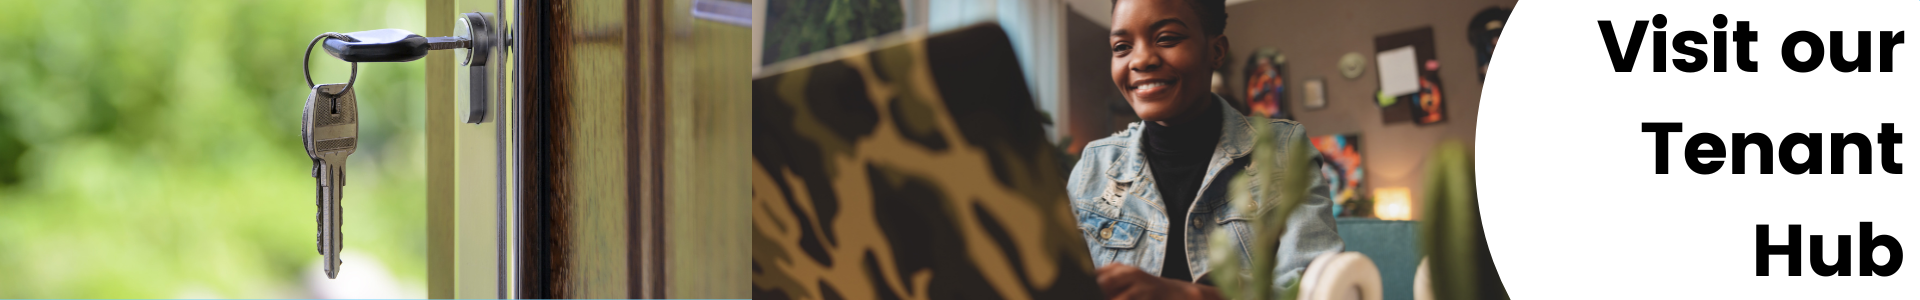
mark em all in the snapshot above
pixel 1565 177
pixel 1344 275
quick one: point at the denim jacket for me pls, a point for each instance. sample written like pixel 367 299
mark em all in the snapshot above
pixel 1124 221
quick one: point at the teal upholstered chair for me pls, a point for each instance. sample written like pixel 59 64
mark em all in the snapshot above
pixel 1393 247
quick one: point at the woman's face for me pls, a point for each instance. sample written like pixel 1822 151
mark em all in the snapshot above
pixel 1161 58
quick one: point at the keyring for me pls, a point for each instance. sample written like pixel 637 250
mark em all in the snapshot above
pixel 308 59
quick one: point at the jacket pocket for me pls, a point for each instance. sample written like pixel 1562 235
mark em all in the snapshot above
pixel 1240 224
pixel 1108 239
pixel 1119 235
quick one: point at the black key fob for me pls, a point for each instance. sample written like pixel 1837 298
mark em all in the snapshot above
pixel 380 45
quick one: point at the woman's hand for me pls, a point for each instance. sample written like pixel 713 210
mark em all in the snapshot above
pixel 1120 281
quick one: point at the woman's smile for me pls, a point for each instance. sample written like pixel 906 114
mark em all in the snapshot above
pixel 1152 90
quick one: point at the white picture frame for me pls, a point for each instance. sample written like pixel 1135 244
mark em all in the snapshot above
pixel 1314 91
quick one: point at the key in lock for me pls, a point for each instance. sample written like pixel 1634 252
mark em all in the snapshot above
pixel 330 121
pixel 474 42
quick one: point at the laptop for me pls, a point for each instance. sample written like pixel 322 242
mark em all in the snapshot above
pixel 908 167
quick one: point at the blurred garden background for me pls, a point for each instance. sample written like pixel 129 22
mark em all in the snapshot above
pixel 150 149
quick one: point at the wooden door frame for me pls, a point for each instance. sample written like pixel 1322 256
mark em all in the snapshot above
pixel 545 238
pixel 646 135
pixel 440 158
pixel 542 245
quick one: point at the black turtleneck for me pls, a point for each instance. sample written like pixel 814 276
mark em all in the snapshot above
pixel 1178 157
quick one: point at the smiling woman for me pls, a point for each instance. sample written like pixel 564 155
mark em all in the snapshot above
pixel 1166 172
pixel 1164 56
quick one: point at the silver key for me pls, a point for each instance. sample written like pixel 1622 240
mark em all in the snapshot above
pixel 330 128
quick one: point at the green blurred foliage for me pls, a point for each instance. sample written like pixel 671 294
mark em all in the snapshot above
pixel 799 27
pixel 150 148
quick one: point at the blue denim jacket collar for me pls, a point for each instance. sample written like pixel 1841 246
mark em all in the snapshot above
pixel 1236 138
pixel 1120 211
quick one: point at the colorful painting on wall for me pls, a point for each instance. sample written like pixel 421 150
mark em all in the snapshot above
pixel 1266 73
pixel 1430 108
pixel 1410 85
pixel 1343 168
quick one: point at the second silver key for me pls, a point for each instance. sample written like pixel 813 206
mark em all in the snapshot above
pixel 330 128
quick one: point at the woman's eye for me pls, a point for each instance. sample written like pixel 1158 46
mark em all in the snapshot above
pixel 1121 48
pixel 1169 40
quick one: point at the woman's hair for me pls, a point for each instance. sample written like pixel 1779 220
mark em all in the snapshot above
pixel 1213 15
